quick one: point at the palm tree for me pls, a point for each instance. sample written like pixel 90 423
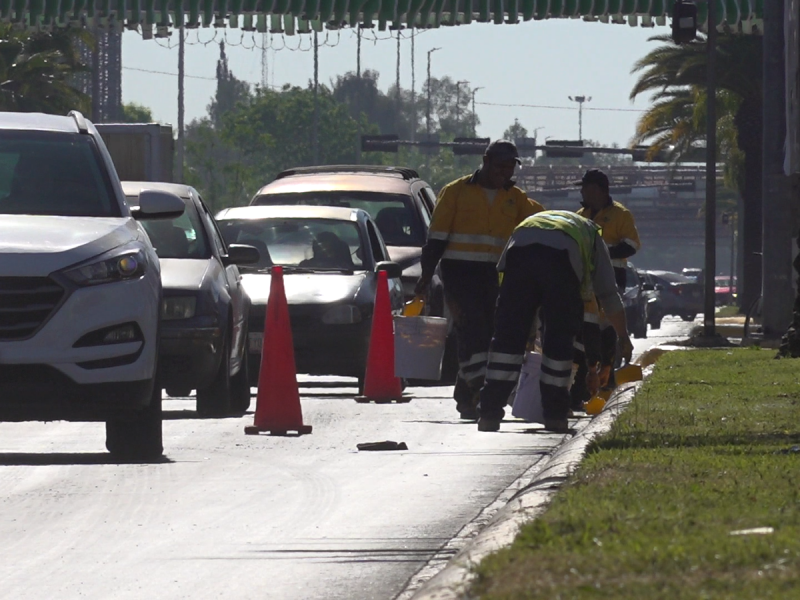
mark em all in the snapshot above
pixel 37 70
pixel 678 74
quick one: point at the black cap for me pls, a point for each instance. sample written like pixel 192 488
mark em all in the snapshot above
pixel 502 150
pixel 595 176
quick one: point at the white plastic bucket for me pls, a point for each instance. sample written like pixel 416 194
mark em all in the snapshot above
pixel 419 347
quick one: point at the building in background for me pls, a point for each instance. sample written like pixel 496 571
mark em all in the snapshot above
pixel 103 82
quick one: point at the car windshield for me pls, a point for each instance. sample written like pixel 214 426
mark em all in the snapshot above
pixel 314 244
pixel 58 174
pixel 178 238
pixel 394 214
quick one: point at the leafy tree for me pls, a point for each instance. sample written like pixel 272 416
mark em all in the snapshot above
pixel 669 69
pixel 37 70
pixel 136 113
pixel 230 92
pixel 515 131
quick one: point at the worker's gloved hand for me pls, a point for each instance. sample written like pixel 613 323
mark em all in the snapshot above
pixel 625 349
pixel 605 374
pixel 423 284
pixel 593 380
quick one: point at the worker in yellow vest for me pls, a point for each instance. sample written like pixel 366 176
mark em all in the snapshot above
pixel 471 223
pixel 555 260
pixel 619 234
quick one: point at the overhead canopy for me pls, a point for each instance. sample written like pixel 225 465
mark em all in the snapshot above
pixel 302 16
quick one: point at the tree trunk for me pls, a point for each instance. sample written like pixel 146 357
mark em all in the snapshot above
pixel 749 127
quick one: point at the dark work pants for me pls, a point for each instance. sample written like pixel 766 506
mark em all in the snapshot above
pixel 605 341
pixel 470 290
pixel 535 276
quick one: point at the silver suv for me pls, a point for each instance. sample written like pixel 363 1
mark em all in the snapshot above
pixel 80 285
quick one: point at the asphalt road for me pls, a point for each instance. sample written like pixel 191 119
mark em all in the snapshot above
pixel 233 516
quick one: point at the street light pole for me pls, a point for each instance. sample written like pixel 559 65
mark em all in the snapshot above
pixel 428 85
pixel 580 100
pixel 458 104
pixel 709 325
pixel 535 129
pixel 474 117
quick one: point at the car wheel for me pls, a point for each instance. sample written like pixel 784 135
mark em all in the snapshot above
pixel 688 317
pixel 240 384
pixel 215 400
pixel 140 438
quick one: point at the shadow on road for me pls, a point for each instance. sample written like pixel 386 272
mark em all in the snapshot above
pixel 180 415
pixel 69 458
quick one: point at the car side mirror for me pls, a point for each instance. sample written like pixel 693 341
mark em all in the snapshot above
pixel 158 204
pixel 241 254
pixel 392 269
pixel 659 287
pixel 648 287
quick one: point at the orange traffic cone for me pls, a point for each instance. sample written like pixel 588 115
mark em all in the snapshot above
pixel 380 383
pixel 278 401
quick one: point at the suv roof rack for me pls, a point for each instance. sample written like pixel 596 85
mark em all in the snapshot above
pixel 80 121
pixel 404 172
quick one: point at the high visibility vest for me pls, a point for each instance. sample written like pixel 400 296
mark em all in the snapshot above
pixel 618 226
pixel 474 228
pixel 580 229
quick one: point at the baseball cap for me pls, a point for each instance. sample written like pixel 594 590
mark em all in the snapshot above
pixel 595 176
pixel 502 150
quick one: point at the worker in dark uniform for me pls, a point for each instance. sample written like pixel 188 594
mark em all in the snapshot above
pixel 556 261
pixel 471 223
pixel 622 238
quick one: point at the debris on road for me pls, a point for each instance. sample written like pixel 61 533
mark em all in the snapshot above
pixel 386 445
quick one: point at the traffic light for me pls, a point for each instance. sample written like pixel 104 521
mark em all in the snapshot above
pixel 463 146
pixel 564 152
pixel 379 143
pixel 684 21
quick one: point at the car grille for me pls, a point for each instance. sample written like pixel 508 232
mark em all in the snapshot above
pixel 25 304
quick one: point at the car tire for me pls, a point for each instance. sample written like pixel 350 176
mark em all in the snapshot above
pixel 215 400
pixel 688 317
pixel 140 438
pixel 240 384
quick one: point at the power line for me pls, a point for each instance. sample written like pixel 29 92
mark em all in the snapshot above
pixel 639 110
pixel 167 73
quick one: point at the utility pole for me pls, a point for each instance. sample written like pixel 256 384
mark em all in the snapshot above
pixel 709 328
pixel 458 104
pixel 428 86
pixel 181 77
pixel 315 133
pixel 777 225
pixel 413 90
pixel 358 95
pixel 397 118
pixel 264 60
pixel 474 114
pixel 580 100
pixel 535 129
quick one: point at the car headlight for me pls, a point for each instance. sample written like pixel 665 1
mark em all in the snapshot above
pixel 178 307
pixel 124 266
pixel 345 314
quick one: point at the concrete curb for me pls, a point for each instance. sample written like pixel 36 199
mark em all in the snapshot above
pixel 453 580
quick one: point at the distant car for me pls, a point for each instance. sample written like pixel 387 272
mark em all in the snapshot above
pixel 330 258
pixel 695 274
pixel 724 292
pixel 680 295
pixel 205 309
pixel 635 302
pixel 399 202
pixel 652 292
pixel 80 285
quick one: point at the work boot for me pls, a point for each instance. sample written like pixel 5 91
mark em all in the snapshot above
pixel 467 412
pixel 485 424
pixel 554 425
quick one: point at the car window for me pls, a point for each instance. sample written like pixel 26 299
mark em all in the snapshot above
pixel 374 241
pixel 182 237
pixel 319 244
pixel 213 231
pixel 394 214
pixel 426 215
pixel 59 174
pixel 430 198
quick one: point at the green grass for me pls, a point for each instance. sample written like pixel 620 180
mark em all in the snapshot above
pixel 705 448
pixel 727 311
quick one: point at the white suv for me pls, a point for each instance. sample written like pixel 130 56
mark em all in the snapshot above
pixel 80 286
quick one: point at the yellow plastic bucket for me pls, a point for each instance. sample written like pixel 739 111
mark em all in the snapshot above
pixel 595 405
pixel 628 373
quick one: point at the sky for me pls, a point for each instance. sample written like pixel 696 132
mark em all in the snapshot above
pixel 526 71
